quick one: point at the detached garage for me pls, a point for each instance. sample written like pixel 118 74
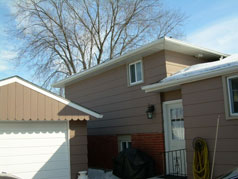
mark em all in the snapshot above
pixel 42 135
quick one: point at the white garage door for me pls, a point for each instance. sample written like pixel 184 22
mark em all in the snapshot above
pixel 35 149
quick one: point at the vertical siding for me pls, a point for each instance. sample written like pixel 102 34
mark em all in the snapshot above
pixel 3 103
pixel 27 102
pixel 124 107
pixel 78 147
pixel 22 103
pixel 19 89
pixel 12 100
pixel 203 101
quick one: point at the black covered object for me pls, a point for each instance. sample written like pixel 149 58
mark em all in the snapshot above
pixel 133 164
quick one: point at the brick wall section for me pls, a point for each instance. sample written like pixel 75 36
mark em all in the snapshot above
pixel 101 151
pixel 153 145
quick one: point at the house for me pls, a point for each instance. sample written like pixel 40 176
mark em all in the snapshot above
pixel 153 122
pixel 42 135
pixel 208 91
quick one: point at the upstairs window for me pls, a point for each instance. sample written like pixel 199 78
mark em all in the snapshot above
pixel 135 73
pixel 232 83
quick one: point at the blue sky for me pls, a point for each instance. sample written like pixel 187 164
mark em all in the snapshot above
pixel 212 24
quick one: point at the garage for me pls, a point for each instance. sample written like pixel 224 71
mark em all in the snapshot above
pixel 42 135
pixel 35 149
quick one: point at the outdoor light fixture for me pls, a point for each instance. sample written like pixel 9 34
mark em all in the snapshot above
pixel 150 111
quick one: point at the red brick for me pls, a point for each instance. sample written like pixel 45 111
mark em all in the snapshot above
pixel 153 145
pixel 102 149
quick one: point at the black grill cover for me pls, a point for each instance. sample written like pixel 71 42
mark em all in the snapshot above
pixel 133 164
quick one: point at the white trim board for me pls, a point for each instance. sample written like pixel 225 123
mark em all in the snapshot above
pixel 176 83
pixel 164 43
pixel 49 94
pixel 165 117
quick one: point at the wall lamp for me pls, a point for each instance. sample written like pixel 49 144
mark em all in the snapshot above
pixel 150 110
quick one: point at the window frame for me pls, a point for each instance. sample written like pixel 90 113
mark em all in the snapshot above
pixel 229 95
pixel 121 139
pixel 129 73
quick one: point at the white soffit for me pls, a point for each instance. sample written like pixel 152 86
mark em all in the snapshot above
pixel 165 43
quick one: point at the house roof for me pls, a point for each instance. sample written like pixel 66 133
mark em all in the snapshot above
pixel 195 73
pixel 66 105
pixel 164 43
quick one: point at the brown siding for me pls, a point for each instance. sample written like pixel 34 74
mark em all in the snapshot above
pixel 22 103
pixel 171 95
pixel 203 101
pixel 176 62
pixel 78 147
pixel 123 106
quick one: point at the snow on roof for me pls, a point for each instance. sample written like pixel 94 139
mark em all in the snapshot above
pixel 196 72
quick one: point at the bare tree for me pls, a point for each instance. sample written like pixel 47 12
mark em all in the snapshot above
pixel 64 37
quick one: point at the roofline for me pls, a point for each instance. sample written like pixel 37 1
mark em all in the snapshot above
pixel 175 83
pixel 99 67
pixel 49 94
pixel 182 43
pixel 102 65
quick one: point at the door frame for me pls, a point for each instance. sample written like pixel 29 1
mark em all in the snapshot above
pixel 165 120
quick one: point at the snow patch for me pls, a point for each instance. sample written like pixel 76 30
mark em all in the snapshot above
pixel 100 174
pixel 204 68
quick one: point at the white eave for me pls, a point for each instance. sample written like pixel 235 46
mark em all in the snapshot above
pixel 156 46
pixel 49 94
pixel 174 83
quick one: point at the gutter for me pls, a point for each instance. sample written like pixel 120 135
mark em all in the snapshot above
pixel 101 66
pixel 162 86
pixel 165 41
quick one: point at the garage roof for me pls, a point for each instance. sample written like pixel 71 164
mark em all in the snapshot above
pixel 23 100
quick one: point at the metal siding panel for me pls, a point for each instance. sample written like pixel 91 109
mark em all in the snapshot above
pixel 109 94
pixel 78 147
pixel 41 106
pixel 34 105
pixel 203 102
pixel 27 103
pixel 11 101
pixel 55 109
pixel 48 109
pixel 19 102
pixel 4 103
pixel 61 107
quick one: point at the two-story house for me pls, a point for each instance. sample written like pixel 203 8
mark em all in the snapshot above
pixel 155 121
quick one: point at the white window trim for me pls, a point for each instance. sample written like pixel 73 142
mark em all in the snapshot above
pixel 124 138
pixel 229 96
pixel 142 73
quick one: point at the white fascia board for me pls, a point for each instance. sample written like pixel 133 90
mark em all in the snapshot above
pixel 195 47
pixel 163 42
pixel 169 84
pixel 49 94
pixel 101 66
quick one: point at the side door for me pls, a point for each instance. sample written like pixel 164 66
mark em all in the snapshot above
pixel 174 138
